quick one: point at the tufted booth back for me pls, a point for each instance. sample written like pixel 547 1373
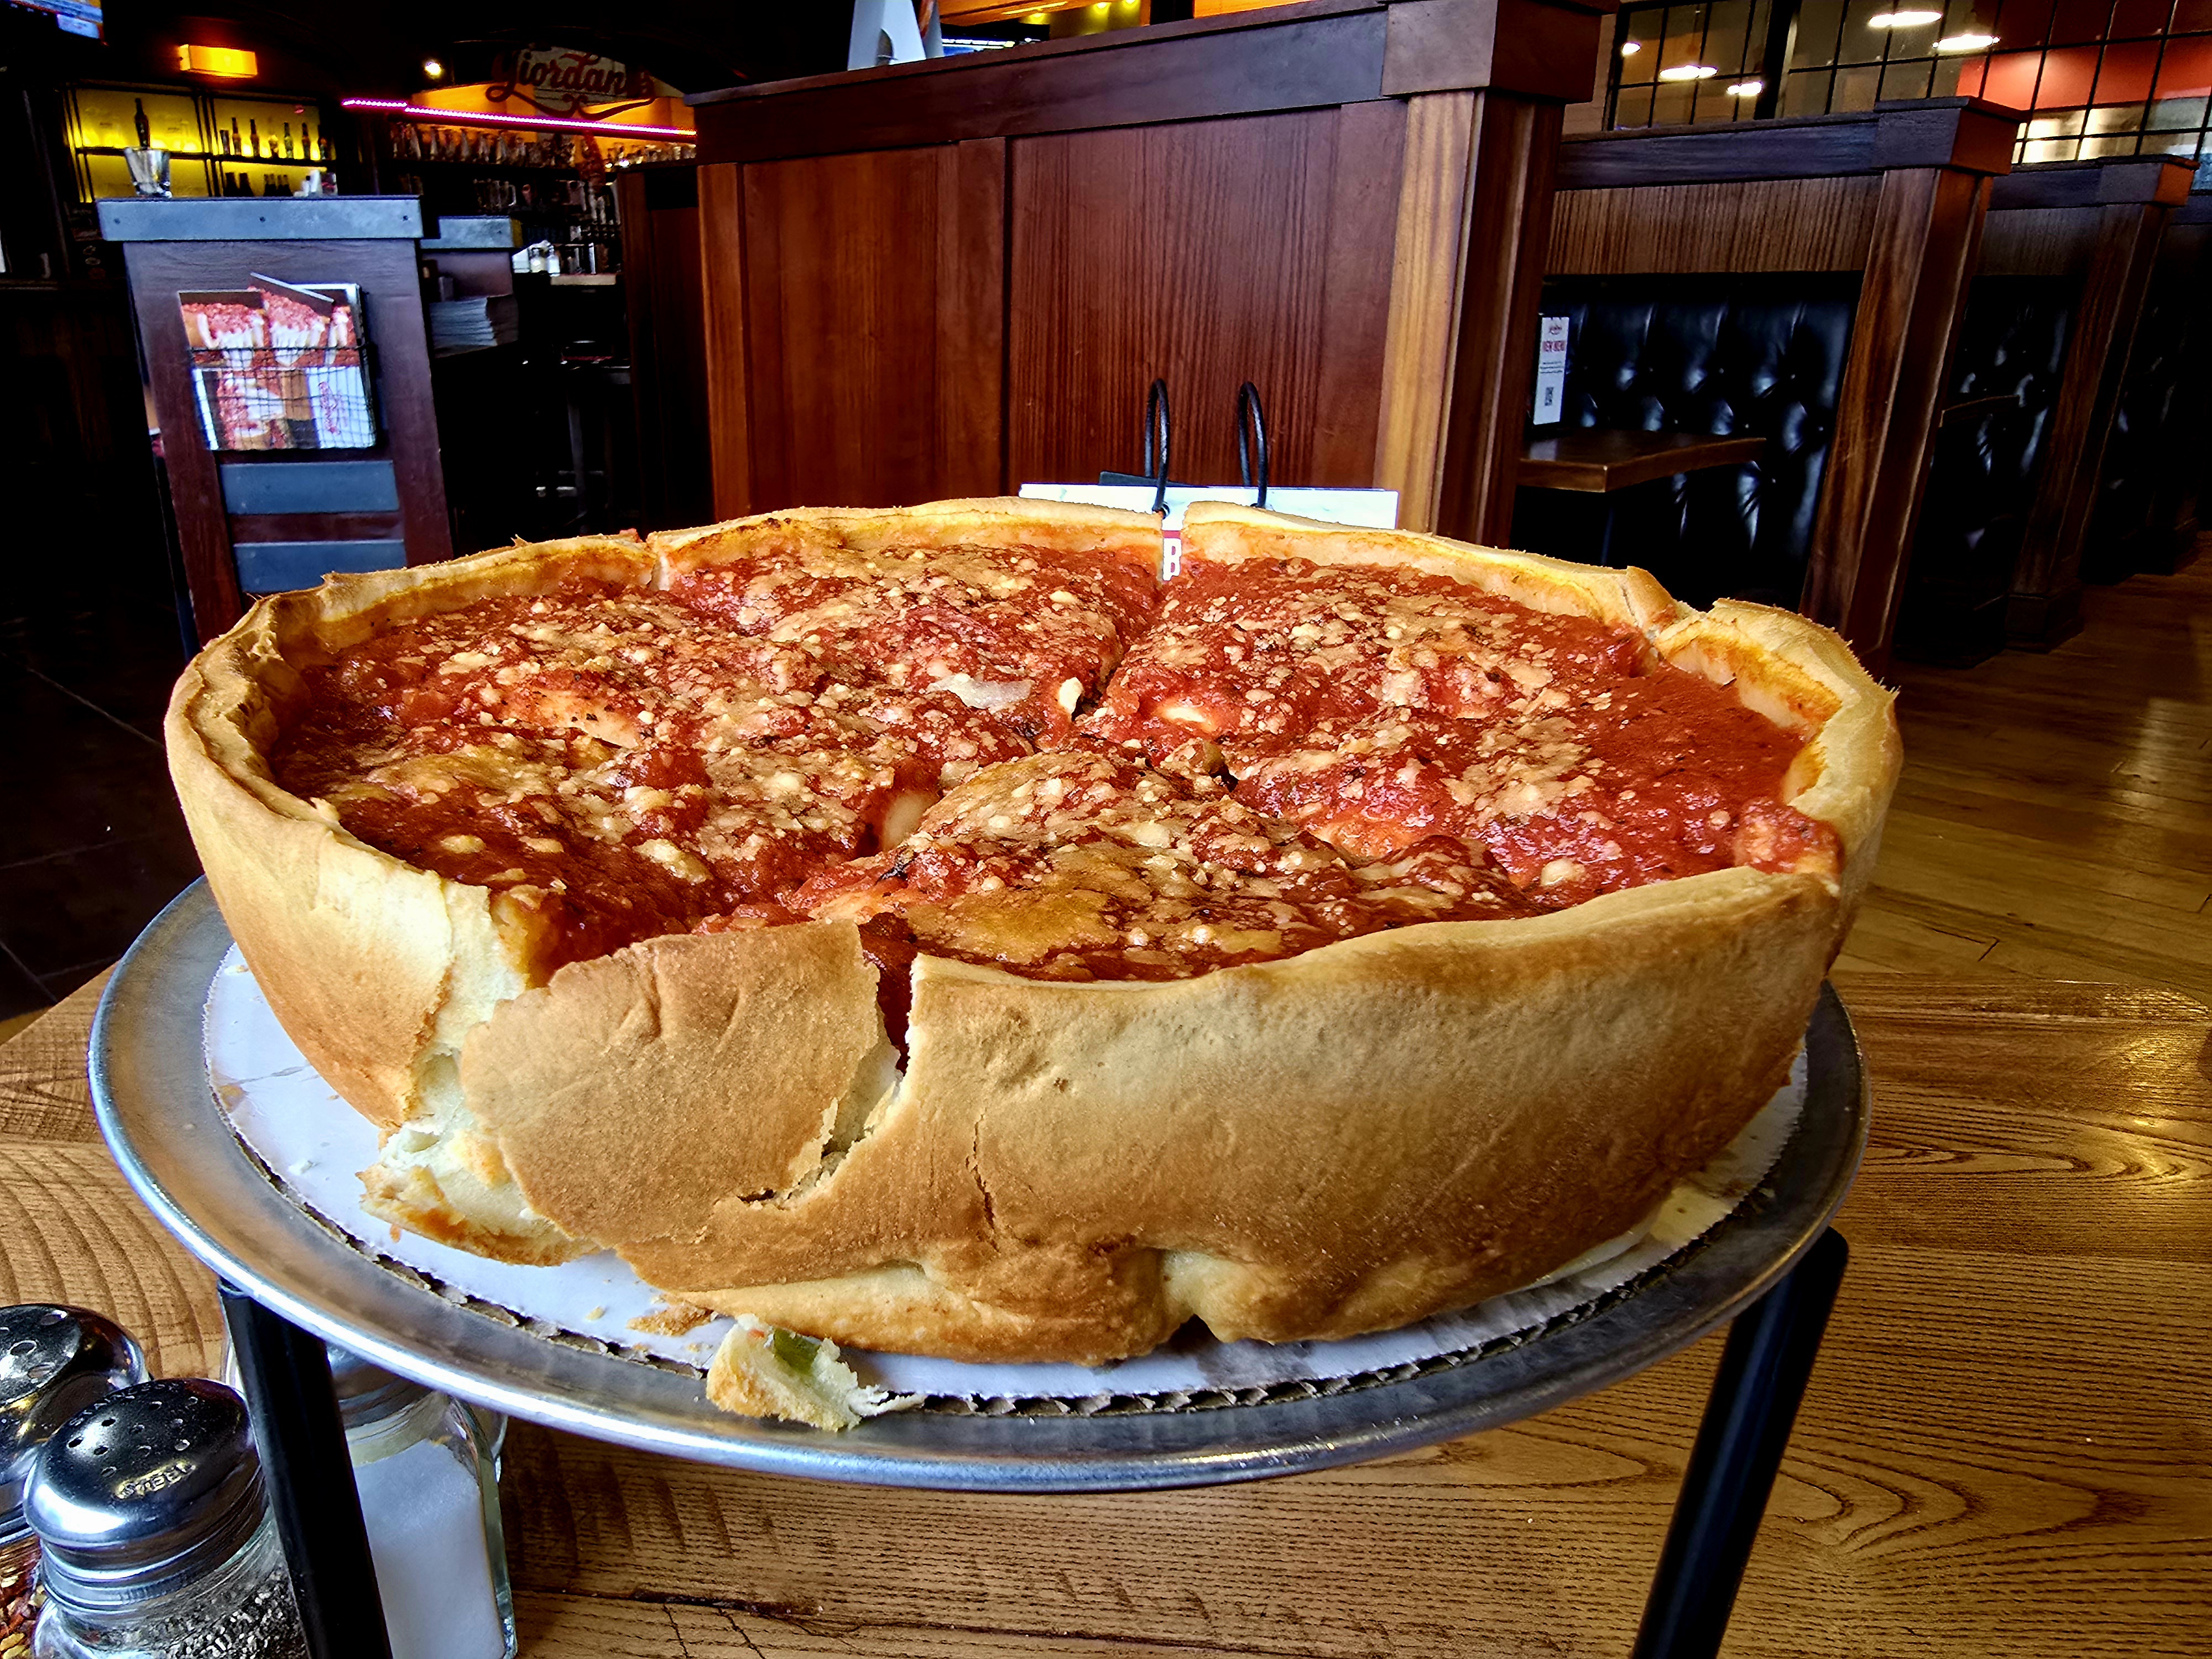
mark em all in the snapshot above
pixel 2012 343
pixel 1755 356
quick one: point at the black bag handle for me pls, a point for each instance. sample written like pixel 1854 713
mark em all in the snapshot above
pixel 1251 434
pixel 1157 428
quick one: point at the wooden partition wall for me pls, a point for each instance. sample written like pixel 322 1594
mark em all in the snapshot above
pixel 948 278
pixel 661 278
pixel 1897 195
pixel 2098 227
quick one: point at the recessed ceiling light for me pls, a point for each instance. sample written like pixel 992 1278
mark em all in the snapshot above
pixel 1630 48
pixel 1689 72
pixel 1903 20
pixel 1746 89
pixel 1966 42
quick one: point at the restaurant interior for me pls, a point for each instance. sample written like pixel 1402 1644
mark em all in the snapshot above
pixel 1896 316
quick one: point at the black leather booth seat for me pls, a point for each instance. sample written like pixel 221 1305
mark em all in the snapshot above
pixel 1751 356
pixel 2012 342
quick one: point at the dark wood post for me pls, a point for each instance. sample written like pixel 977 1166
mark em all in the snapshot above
pixel 2122 210
pixel 1926 239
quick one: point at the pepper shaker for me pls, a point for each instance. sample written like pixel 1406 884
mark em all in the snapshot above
pixel 53 1361
pixel 158 1539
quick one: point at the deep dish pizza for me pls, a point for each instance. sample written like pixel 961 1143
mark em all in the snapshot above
pixel 928 929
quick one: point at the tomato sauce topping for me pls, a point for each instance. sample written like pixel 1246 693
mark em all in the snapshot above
pixel 1287 755
pixel 1078 865
pixel 1028 633
pixel 616 766
pixel 1380 707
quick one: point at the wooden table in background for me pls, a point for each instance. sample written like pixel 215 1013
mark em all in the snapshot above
pixel 1600 460
pixel 2007 1446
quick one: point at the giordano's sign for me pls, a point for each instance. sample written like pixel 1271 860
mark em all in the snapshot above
pixel 559 82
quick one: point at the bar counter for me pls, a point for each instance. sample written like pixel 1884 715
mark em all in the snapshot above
pixel 2004 1447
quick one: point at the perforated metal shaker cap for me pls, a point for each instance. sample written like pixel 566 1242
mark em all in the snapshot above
pixel 142 1492
pixel 54 1362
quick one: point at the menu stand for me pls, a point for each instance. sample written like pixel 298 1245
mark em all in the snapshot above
pixel 1763 1372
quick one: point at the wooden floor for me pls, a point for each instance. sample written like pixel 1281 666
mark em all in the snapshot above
pixel 2055 816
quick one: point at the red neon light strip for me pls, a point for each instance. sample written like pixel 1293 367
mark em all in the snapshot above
pixel 456 118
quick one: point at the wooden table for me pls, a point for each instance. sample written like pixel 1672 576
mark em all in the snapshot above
pixel 1599 460
pixel 2006 1447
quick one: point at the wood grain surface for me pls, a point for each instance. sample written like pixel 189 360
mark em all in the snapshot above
pixel 1926 231
pixel 1429 250
pixel 2046 580
pixel 2054 819
pixel 2003 1448
pixel 1206 254
pixel 1508 227
pixel 1761 224
pixel 855 369
pixel 724 340
pixel 1600 459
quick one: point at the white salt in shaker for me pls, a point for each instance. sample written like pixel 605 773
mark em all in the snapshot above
pixel 430 1499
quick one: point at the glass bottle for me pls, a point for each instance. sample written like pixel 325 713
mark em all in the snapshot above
pixel 53 1361
pixel 429 1497
pixel 253 140
pixel 158 1539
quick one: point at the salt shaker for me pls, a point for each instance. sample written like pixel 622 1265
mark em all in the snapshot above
pixel 157 1535
pixel 430 1500
pixel 53 1361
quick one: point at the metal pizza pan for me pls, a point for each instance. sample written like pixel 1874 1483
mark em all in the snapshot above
pixel 176 1148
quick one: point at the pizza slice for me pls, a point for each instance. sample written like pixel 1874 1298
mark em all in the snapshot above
pixel 1025 628
pixel 1379 706
pixel 1078 865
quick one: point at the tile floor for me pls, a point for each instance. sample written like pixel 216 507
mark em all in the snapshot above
pixel 91 842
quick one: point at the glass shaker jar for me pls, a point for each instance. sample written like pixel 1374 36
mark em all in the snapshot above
pixel 53 1361
pixel 430 1497
pixel 157 1535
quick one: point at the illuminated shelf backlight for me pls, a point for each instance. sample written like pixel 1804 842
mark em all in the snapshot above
pixel 472 117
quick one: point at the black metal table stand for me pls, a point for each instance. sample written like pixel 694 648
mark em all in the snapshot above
pixel 1748 1417
pixel 287 1374
pixel 1753 1405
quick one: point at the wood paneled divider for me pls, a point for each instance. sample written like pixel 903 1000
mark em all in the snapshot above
pixel 2100 223
pixel 1900 195
pixel 662 268
pixel 948 278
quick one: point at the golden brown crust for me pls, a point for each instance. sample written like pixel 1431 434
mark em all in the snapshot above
pixel 377 969
pixel 1337 1142
pixel 745 1061
pixel 1340 1141
pixel 990 522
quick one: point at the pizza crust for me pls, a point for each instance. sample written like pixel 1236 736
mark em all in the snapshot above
pixel 1344 1141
